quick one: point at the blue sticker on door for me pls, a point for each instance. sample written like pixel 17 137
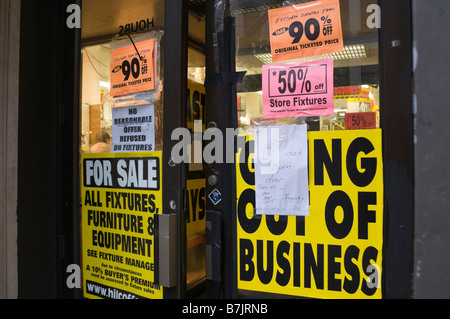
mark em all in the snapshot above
pixel 215 196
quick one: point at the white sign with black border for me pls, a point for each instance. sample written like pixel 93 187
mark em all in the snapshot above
pixel 133 128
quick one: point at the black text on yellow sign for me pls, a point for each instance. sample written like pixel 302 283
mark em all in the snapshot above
pixel 196 103
pixel 336 251
pixel 196 209
pixel 121 194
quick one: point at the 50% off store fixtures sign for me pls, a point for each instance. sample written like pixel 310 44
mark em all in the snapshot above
pixel 298 89
pixel 309 29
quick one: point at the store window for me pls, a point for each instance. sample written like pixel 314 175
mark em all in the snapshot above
pixel 308 108
pixel 144 22
pixel 356 68
pixel 123 46
pixel 195 184
pixel 99 106
pixel 121 147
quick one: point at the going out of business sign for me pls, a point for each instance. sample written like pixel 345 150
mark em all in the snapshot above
pixel 336 251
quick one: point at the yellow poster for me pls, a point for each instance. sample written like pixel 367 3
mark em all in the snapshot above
pixel 196 104
pixel 121 194
pixel 336 251
pixel 196 210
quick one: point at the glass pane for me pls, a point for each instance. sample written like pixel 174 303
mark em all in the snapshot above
pixel 98 104
pixel 356 77
pixel 121 144
pixel 96 115
pixel 196 213
pixel 277 254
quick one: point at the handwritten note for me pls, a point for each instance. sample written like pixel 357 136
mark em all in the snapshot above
pixel 281 170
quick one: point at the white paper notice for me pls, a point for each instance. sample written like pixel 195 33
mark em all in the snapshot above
pixel 133 128
pixel 281 170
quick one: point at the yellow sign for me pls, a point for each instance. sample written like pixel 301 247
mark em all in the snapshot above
pixel 121 194
pixel 336 251
pixel 195 114
pixel 196 210
pixel 196 105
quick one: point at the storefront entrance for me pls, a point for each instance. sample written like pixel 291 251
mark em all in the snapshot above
pixel 142 78
pixel 144 217
pixel 158 227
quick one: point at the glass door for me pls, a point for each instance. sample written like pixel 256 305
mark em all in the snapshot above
pixel 303 253
pixel 312 75
pixel 131 193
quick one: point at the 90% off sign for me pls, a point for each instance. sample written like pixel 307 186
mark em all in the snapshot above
pixel 298 89
pixel 310 29
pixel 132 68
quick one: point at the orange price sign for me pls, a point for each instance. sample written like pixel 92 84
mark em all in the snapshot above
pixel 361 121
pixel 133 69
pixel 308 29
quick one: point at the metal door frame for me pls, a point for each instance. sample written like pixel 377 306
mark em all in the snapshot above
pixel 174 176
pixel 56 232
pixel 48 239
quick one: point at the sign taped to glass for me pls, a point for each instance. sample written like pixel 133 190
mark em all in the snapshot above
pixel 298 89
pixel 133 128
pixel 360 120
pixel 303 30
pixel 281 170
pixel 121 195
pixel 336 251
pixel 133 72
